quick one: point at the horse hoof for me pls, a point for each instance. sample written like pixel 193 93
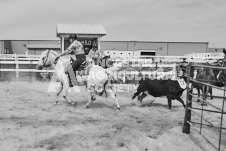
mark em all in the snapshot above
pixel 73 103
pixel 86 107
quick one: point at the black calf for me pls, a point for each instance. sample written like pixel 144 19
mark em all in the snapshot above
pixel 157 88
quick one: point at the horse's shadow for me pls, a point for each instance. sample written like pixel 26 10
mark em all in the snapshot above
pixel 96 104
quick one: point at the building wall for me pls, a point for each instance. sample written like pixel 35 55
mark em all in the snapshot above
pixel 1 47
pixel 38 51
pixel 180 49
pixel 19 46
pixel 115 45
pixel 161 48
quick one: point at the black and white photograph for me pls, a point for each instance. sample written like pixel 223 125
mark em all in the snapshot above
pixel 113 75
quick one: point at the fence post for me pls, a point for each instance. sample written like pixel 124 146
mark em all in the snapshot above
pixel 17 66
pixel 187 118
pixel 0 68
pixel 175 71
pixel 221 122
pixel 30 74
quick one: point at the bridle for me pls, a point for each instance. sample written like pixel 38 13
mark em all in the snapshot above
pixel 44 62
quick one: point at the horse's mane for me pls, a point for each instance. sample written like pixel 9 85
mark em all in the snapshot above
pixel 54 52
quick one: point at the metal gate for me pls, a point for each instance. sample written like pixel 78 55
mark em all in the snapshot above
pixel 190 110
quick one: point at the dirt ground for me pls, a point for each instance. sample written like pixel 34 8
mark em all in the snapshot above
pixel 30 122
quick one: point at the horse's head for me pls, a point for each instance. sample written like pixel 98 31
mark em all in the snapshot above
pixel 44 60
pixel 222 73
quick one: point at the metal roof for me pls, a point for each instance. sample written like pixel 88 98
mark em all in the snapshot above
pixel 81 29
pixel 46 46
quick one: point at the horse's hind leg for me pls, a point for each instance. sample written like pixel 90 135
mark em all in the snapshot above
pixel 211 94
pixel 113 96
pixel 58 93
pixel 198 100
pixel 204 93
pixel 93 98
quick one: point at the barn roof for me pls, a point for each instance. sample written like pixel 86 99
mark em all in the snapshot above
pixel 81 29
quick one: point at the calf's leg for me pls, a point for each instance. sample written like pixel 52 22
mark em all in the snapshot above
pixel 169 102
pixel 135 95
pixel 141 97
pixel 181 101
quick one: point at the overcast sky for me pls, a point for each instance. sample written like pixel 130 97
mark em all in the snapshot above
pixel 130 20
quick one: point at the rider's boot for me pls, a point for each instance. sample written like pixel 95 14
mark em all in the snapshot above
pixel 72 76
pixel 67 71
pixel 70 82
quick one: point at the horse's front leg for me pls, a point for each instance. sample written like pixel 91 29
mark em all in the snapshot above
pixel 58 93
pixel 65 92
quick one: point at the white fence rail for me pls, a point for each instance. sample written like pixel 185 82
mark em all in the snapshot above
pixel 142 61
pixel 173 59
pixel 189 58
pixel 17 61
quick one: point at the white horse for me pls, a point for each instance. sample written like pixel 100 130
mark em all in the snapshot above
pixel 96 80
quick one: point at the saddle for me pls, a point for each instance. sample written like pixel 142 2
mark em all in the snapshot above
pixel 82 70
pixel 83 66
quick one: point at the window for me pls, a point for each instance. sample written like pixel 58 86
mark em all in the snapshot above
pixel 6 51
pixel 147 53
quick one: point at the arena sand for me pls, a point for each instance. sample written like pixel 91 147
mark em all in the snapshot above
pixel 30 122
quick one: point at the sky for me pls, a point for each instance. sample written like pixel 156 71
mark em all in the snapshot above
pixel 123 20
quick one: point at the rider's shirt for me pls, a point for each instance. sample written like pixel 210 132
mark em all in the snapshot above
pixel 76 47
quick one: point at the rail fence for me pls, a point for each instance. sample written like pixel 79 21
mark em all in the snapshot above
pixel 24 65
pixel 191 109
pixel 13 66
